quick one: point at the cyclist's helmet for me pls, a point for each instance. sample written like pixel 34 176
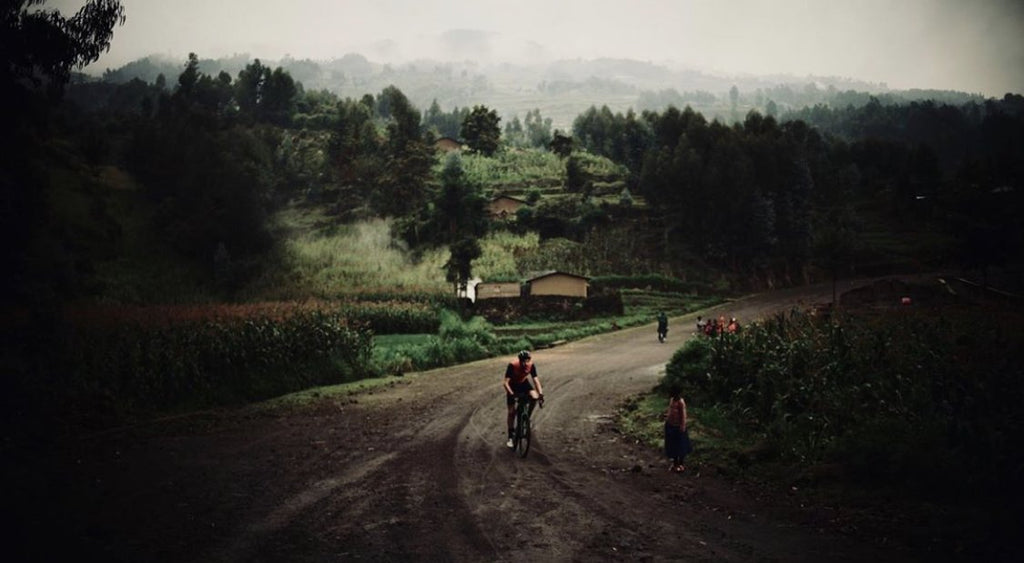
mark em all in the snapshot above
pixel 524 355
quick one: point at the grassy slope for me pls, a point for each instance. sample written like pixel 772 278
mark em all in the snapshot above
pixel 319 258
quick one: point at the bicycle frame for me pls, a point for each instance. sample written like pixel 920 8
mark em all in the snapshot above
pixel 521 433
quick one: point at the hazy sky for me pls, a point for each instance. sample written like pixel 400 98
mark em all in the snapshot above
pixel 968 45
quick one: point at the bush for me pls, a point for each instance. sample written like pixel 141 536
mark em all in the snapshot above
pixel 920 398
pixel 457 341
pixel 548 308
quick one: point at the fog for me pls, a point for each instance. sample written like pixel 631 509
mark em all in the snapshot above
pixel 971 46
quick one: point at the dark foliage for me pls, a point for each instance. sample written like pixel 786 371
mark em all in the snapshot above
pixel 549 308
pixel 773 201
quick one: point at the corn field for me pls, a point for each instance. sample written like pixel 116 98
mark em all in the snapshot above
pixel 112 363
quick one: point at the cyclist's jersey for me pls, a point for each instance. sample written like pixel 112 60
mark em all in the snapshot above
pixel 518 372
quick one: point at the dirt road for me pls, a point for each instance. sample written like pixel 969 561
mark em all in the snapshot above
pixel 417 471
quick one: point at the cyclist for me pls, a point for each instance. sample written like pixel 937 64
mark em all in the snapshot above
pixel 520 379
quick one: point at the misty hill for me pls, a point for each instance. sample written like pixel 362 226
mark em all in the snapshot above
pixel 564 89
pixel 215 158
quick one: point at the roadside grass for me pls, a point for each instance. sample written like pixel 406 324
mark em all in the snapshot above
pixel 397 354
pixel 717 440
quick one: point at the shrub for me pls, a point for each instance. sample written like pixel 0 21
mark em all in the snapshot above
pixel 457 341
pixel 920 398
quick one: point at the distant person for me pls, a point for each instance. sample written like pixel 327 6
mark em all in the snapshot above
pixel 677 439
pixel 701 324
pixel 712 328
pixel 520 381
pixel 734 326
pixel 662 326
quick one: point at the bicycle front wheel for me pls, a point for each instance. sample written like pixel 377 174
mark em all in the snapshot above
pixel 523 434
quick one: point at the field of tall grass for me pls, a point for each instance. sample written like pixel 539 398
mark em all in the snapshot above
pixel 324 259
pixel 503 254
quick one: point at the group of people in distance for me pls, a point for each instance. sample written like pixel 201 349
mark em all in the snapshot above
pixel 717 327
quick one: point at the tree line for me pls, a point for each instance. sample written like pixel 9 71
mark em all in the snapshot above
pixel 769 198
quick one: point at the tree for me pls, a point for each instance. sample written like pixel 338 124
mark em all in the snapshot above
pixel 354 154
pixel 575 175
pixel 835 245
pixel 41 47
pixel 561 144
pixel 458 207
pixel 200 97
pixel 515 136
pixel 407 158
pixel 248 87
pixel 481 130
pixel 457 217
pixel 538 129
pixel 38 50
pixel 278 98
pixel 444 124
pixel 596 130
pixel 636 138
pixel 266 95
pixel 459 268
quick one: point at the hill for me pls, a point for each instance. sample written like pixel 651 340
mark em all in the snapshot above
pixel 562 89
pixel 202 189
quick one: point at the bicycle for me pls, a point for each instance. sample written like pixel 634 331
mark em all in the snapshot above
pixel 521 432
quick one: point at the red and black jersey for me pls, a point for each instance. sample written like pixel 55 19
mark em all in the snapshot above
pixel 518 371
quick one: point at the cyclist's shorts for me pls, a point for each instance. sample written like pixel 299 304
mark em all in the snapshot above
pixel 517 389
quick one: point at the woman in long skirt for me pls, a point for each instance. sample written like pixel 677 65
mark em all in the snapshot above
pixel 677 440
